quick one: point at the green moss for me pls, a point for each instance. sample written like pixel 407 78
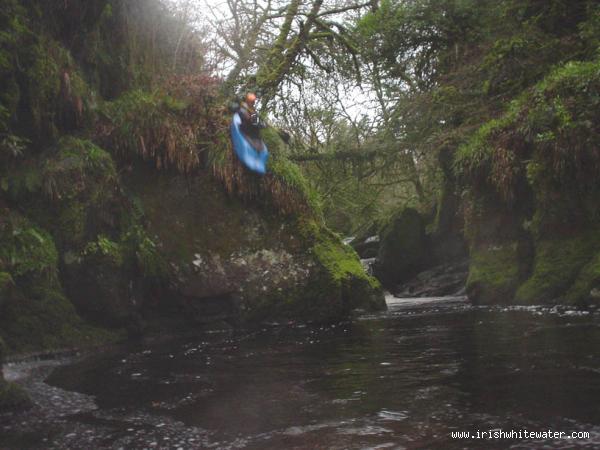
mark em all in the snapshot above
pixel 290 174
pixel 44 88
pixel 292 178
pixel 104 248
pixel 6 281
pixel 337 284
pixel 343 271
pixel 552 124
pixel 556 266
pixel 493 273
pixel 78 167
pixel 41 318
pixel 23 180
pixel 587 279
pixel 474 158
pixel 142 251
pixel 13 31
pixel 341 261
pixel 78 183
pixel 57 94
pixel 273 141
pixel 26 249
pixel 71 222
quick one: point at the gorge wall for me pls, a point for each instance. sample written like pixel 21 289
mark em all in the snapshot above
pixel 121 202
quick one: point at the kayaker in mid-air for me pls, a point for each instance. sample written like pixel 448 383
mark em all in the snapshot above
pixel 251 123
pixel 245 135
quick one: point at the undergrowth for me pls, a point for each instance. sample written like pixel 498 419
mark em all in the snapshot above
pixel 551 129
pixel 284 186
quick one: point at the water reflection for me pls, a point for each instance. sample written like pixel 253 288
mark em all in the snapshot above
pixel 401 379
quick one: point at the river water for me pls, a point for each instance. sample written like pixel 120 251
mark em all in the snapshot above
pixel 405 378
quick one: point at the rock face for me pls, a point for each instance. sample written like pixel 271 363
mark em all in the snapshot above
pixel 441 280
pixel 404 248
pixel 230 259
pixel 121 200
pixel 531 209
pixel 367 247
pixel 418 257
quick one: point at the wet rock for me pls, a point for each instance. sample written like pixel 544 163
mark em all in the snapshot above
pixel 366 247
pixel 442 280
pixel 231 260
pixel 100 291
pixel 368 264
pixel 404 249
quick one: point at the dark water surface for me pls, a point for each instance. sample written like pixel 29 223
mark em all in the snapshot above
pixel 406 378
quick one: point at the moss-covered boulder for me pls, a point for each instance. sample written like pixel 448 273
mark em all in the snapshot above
pixel 103 251
pixel 404 248
pixel 342 266
pixel 493 274
pixel 229 257
pixel 586 287
pixel 563 269
pixel 34 313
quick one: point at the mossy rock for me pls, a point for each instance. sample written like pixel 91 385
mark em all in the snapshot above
pixel 72 189
pixel 404 248
pixel 493 273
pixel 78 166
pixel 345 273
pixel 290 175
pixel 556 267
pixel 54 97
pixel 337 284
pixel 41 318
pixel 219 247
pixel 81 181
pixel 585 289
pixel 13 397
pixel 99 289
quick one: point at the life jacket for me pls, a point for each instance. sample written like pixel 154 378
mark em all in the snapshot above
pixel 249 115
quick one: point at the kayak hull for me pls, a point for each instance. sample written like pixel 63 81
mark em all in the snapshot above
pixel 253 159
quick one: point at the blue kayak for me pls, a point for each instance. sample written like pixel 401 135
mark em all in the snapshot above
pixel 252 158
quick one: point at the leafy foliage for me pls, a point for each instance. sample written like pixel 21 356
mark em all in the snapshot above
pixel 26 249
pixel 547 137
pixel 77 167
